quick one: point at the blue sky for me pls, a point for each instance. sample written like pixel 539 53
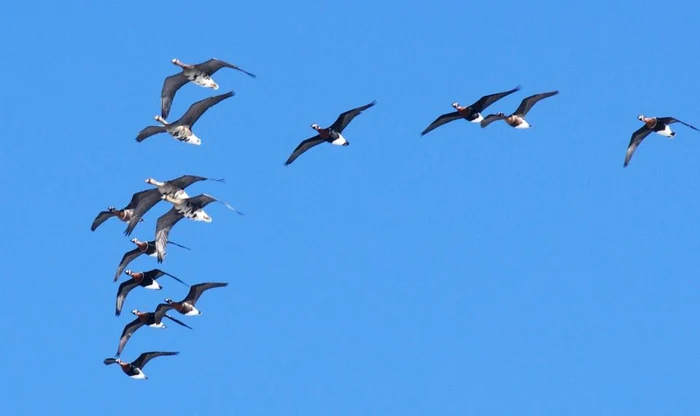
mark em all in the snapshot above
pixel 471 271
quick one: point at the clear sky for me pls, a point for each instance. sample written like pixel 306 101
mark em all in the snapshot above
pixel 468 272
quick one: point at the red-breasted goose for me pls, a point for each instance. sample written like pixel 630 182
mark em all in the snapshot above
pixel 142 247
pixel 187 305
pixel 658 125
pixel 182 128
pixel 143 279
pixel 517 119
pixel 471 113
pixel 192 208
pixel 134 369
pixel 152 319
pixel 169 190
pixel 330 134
pixel 125 214
pixel 199 74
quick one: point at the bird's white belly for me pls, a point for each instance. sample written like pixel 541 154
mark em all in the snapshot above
pixel 200 215
pixel 193 312
pixel 666 132
pixel 523 125
pixel 340 141
pixel 158 325
pixel 184 134
pixel 154 254
pixel 139 376
pixel 153 286
pixel 478 119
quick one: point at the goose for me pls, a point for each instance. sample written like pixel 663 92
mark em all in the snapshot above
pixel 199 74
pixel 517 119
pixel 330 134
pixel 143 279
pixel 182 128
pixel 142 247
pixel 125 214
pixel 192 208
pixel 152 319
pixel 172 190
pixel 187 305
pixel 658 125
pixel 471 113
pixel 134 369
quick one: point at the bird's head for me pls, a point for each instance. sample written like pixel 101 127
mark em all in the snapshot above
pixel 640 117
pixel 160 119
pixel 499 114
pixel 315 126
pixel 168 301
pixel 128 272
pixel 455 104
pixel 135 240
pixel 135 311
pixel 111 209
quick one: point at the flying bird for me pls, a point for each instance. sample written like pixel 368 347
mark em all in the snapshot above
pixel 152 319
pixel 143 279
pixel 192 208
pixel 142 247
pixel 199 74
pixel 182 128
pixel 125 214
pixel 517 119
pixel 187 305
pixel 658 125
pixel 171 190
pixel 471 113
pixel 330 134
pixel 134 369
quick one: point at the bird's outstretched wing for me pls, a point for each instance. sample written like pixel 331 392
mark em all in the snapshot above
pixel 491 118
pixel 203 200
pixel 129 256
pixel 186 180
pixel 213 65
pixel 636 139
pixel 122 292
pixel 148 132
pixel 167 94
pixel 197 290
pixel 177 321
pixel 303 147
pixel 443 119
pixel 129 330
pixel 156 273
pixel 163 226
pixel 487 100
pixel 148 356
pixel 670 120
pixel 101 217
pixel 145 200
pixel 345 118
pixel 197 109
pixel 527 103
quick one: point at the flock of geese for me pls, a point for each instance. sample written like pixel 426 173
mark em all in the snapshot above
pixel 183 206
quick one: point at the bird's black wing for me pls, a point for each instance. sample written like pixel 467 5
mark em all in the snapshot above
pixel 345 118
pixel 636 139
pixel 443 119
pixel 145 201
pixel 186 180
pixel 129 330
pixel 528 102
pixel 213 65
pixel 161 310
pixel 177 321
pixel 670 120
pixel 156 273
pixel 167 94
pixel 148 356
pixel 490 119
pixel 148 132
pixel 163 226
pixel 487 100
pixel 203 200
pixel 124 290
pixel 303 147
pixel 197 109
pixel 197 290
pixel 129 256
pixel 101 217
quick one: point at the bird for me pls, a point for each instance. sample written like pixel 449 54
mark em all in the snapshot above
pixel 187 305
pixel 517 119
pixel 199 74
pixel 152 319
pixel 182 128
pixel 143 279
pixel 192 208
pixel 658 125
pixel 125 214
pixel 172 190
pixel 142 247
pixel 134 369
pixel 330 134
pixel 471 113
